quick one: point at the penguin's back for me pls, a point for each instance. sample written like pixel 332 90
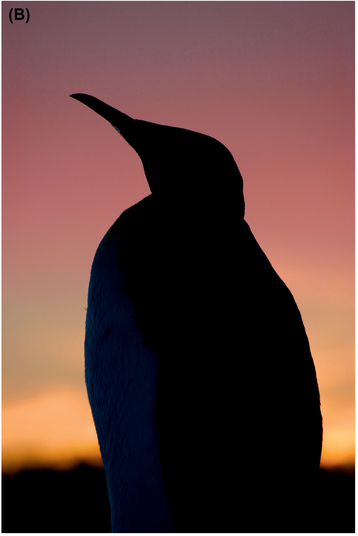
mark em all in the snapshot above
pixel 237 401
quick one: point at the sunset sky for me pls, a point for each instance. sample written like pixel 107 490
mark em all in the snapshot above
pixel 273 81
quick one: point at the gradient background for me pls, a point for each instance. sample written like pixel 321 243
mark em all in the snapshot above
pixel 273 81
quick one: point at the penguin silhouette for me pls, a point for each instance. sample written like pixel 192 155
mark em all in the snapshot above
pixel 198 368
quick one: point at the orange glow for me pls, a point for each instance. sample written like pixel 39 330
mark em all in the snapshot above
pixel 339 446
pixel 52 429
pixel 55 429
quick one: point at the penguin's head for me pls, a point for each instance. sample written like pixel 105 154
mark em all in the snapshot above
pixel 179 164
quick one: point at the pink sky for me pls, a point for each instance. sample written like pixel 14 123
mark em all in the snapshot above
pixel 273 81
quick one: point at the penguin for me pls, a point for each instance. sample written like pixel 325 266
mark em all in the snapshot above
pixel 198 367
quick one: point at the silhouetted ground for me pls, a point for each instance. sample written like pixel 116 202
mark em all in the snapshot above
pixel 77 501
pixel 337 501
pixel 55 501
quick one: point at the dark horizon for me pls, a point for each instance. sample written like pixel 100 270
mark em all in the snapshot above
pixel 51 501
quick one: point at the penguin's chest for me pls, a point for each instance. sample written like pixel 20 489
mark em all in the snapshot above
pixel 121 373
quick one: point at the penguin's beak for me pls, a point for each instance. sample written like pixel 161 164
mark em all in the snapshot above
pixel 120 121
pixel 134 131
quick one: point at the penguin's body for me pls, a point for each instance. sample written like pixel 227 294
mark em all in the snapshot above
pixel 198 367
